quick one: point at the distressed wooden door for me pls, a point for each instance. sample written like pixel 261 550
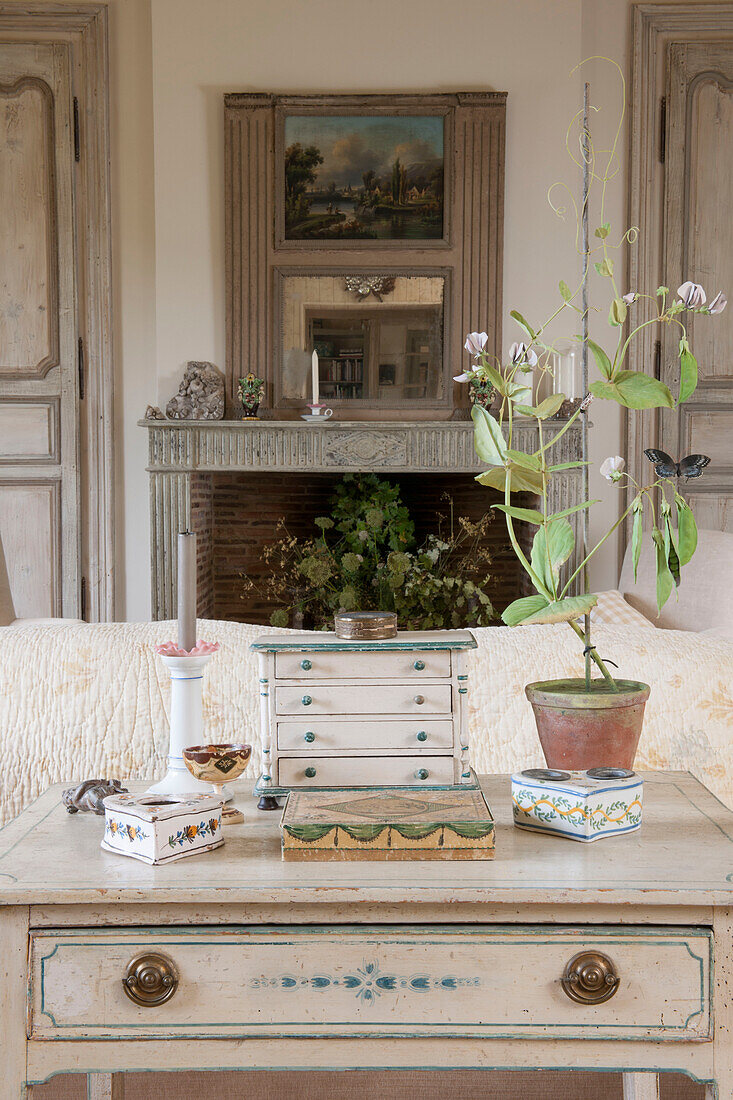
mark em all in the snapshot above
pixel 40 522
pixel 698 245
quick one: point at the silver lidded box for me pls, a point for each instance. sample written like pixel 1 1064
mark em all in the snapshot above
pixel 162 828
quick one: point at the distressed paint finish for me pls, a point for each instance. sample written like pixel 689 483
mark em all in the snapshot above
pixel 659 891
pixel 322 696
pixel 105 1086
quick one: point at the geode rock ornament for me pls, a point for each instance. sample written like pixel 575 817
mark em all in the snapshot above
pixel 88 797
pixel 200 395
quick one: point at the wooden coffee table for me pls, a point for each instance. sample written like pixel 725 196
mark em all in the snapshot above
pixel 241 961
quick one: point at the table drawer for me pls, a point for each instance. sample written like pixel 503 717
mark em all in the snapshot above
pixel 405 665
pixel 488 982
pixel 395 700
pixel 364 771
pixel 327 734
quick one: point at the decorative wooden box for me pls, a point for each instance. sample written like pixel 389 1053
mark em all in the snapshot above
pixel 578 805
pixel 160 829
pixel 340 713
pixel 396 824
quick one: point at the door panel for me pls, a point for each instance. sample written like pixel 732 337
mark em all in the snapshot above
pixel 40 523
pixel 698 245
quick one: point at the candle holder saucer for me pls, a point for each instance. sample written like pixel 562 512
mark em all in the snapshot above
pixel 219 764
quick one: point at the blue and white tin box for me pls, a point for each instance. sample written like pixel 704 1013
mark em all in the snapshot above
pixel 162 828
pixel 582 806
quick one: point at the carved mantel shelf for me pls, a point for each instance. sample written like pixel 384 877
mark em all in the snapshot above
pixel 179 449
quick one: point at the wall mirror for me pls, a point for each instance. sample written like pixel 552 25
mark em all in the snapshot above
pixel 379 340
pixel 368 228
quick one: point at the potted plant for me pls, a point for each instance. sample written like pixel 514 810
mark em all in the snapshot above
pixel 592 720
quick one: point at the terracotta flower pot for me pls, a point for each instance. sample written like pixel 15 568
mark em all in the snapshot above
pixel 581 729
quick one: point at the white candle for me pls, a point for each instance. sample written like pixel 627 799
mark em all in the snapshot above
pixel 314 369
pixel 186 590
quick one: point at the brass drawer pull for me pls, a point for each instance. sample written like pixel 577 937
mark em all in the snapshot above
pixel 419 666
pixel 150 979
pixel 310 772
pixel 306 665
pixel 590 978
pixel 309 736
pixel 419 699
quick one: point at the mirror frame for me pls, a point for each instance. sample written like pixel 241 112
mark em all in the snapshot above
pixel 469 255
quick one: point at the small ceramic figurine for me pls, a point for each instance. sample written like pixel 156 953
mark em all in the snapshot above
pixel 89 796
pixel 250 394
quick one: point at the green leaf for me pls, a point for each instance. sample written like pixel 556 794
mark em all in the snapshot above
pixel 518 611
pixel 562 611
pixel 529 515
pixel 548 407
pixel 665 580
pixel 524 410
pixel 603 230
pixel 604 363
pixel 495 378
pixel 670 548
pixel 634 390
pixel 686 530
pixel 521 481
pixel 566 466
pixel 637 531
pixel 516 392
pixel 527 462
pixel 552 546
pixel 522 323
pixel 605 268
pixel 617 312
pixel 688 375
pixel 488 440
pixel 569 511
pixel 565 290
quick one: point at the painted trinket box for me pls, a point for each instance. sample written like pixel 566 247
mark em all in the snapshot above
pixel 159 829
pixel 387 824
pixel 582 806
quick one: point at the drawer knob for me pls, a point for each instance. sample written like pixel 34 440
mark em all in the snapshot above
pixel 422 773
pixel 422 735
pixel 306 665
pixel 419 666
pixel 306 700
pixel 309 736
pixel 310 772
pixel 150 979
pixel 590 978
pixel 419 699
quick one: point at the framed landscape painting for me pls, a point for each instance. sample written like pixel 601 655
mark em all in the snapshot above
pixel 356 177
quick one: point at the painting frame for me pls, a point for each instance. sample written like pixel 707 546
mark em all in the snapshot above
pixel 371 107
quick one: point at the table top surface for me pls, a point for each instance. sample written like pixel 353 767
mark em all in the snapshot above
pixel 682 855
pixel 325 641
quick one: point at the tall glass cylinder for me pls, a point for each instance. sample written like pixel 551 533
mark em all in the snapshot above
pixel 567 376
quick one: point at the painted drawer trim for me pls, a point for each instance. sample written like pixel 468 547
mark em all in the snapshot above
pixel 376 974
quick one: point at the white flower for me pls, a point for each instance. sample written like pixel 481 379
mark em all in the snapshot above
pixel 520 354
pixel 475 342
pixel 630 298
pixel 612 468
pixel 718 303
pixel 463 377
pixel 692 294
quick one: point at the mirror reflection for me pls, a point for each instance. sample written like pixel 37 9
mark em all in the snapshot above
pixel 379 338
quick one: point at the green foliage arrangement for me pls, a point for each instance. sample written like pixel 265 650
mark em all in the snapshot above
pixel 365 557
pixel 511 470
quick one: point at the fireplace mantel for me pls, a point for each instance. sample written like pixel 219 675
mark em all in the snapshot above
pixel 179 449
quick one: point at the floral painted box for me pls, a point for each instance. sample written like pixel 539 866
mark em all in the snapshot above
pixel 159 829
pixel 583 806
pixel 386 824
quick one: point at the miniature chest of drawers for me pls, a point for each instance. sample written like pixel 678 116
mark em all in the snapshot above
pixel 339 713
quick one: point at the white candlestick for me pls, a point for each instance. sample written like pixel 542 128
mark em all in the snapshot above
pixel 186 590
pixel 314 366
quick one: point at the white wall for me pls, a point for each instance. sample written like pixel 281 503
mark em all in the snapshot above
pixel 170 250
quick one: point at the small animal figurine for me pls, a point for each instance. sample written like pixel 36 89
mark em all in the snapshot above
pixel 89 795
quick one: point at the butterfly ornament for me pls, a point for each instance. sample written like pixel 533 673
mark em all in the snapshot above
pixel 665 465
